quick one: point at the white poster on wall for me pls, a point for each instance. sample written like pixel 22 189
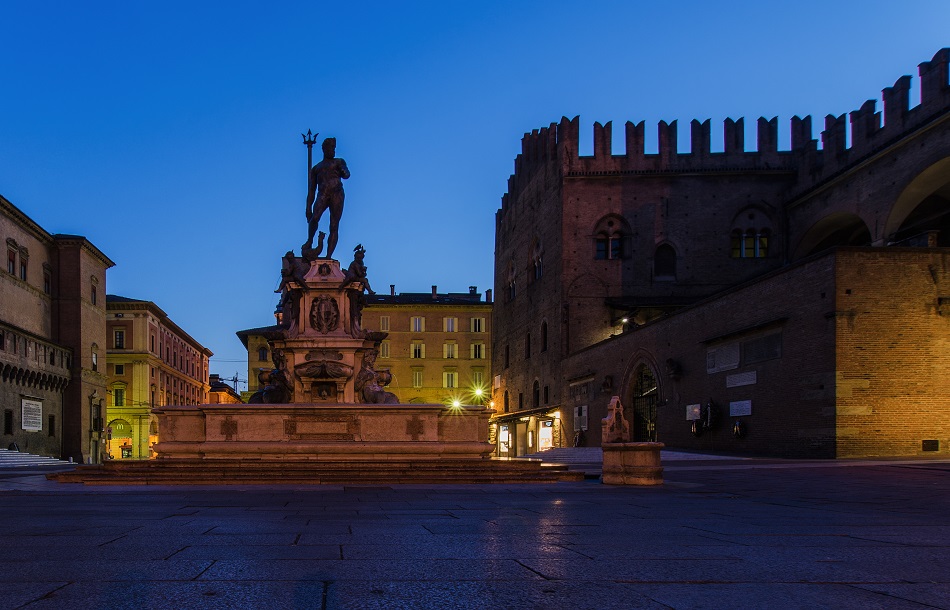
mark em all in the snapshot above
pixel 740 407
pixel 31 414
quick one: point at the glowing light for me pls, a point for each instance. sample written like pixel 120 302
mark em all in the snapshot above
pixel 477 394
pixel 456 403
pixel 625 320
pixel 557 415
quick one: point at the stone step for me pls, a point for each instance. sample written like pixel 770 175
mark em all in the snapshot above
pixel 238 472
pixel 18 459
pixel 570 455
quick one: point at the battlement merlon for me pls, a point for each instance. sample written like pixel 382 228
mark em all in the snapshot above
pixel 557 146
pixel 935 98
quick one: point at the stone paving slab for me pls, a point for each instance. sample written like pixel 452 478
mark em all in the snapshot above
pixel 782 535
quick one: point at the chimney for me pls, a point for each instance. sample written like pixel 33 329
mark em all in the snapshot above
pixel 435 290
pixel 392 290
pixel 488 296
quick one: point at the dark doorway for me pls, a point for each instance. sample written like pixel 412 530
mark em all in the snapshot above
pixel 644 405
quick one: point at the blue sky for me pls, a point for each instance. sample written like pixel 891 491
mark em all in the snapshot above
pixel 169 133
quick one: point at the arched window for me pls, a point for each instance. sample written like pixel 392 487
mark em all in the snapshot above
pixel 544 336
pixel 750 235
pixel 664 262
pixel 262 354
pixel 610 236
pixel 536 259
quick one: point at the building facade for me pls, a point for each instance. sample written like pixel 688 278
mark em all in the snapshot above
pixel 221 393
pixel 681 282
pixel 52 336
pixel 438 347
pixel 152 362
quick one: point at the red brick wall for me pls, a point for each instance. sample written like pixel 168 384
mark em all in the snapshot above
pixel 893 355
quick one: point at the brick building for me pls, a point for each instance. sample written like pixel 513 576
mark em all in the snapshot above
pixel 152 362
pixel 52 337
pixel 438 347
pixel 701 288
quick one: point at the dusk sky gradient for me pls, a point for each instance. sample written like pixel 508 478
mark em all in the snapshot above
pixel 168 133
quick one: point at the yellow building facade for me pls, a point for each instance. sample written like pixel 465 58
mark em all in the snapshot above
pixel 151 363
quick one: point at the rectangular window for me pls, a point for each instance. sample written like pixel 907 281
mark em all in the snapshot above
pixel 449 324
pixel 418 324
pixel 119 339
pixel 478 378
pixel 120 369
pixel 47 283
pixel 448 350
pixel 152 343
pixel 11 262
pixel 417 378
pixel 8 421
pixel 3 341
pixel 51 421
pixel 22 269
pixel 119 395
pixel 384 323
pixel 417 350
pixel 95 361
pixel 478 325
pixel 384 349
pixel 449 379
pixel 93 296
pixel 478 351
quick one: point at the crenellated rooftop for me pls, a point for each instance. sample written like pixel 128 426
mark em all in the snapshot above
pixel 556 146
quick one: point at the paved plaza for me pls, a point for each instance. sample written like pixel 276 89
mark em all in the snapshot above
pixel 718 534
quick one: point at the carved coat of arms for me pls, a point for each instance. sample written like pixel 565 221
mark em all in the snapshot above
pixel 324 314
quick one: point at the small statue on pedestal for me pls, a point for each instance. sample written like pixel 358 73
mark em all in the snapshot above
pixel 614 427
pixel 355 277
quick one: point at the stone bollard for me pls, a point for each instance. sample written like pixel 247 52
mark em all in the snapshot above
pixel 632 464
pixel 627 463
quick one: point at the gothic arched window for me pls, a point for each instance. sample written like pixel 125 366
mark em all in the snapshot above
pixel 611 234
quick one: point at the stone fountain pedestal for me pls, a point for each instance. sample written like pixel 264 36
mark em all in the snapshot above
pixel 322 432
